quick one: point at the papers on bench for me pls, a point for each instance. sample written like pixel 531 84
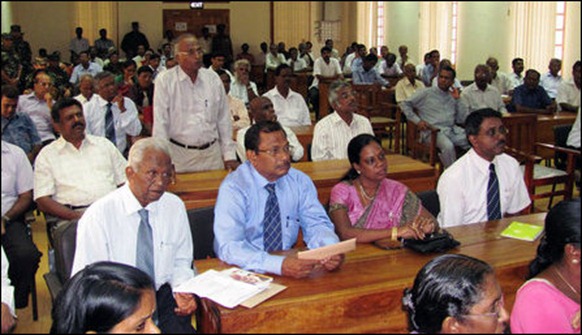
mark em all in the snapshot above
pixel 329 250
pixel 232 287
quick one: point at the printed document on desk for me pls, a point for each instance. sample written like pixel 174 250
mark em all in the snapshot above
pixel 221 287
pixel 329 250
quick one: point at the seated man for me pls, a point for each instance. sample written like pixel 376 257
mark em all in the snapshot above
pixel 76 169
pixel 238 110
pixel 499 79
pixel 24 257
pixel 241 86
pixel 297 64
pixel 552 79
pixel 332 134
pixel 367 74
pixel 480 94
pixel 262 110
pixel 261 206
pixel 18 128
pixel 406 87
pixel 38 104
pixel 439 106
pixel 112 115
pixel 142 225
pixel 324 67
pixel 290 106
pixel 485 184
pixel 568 98
pixel 85 66
pixel 531 97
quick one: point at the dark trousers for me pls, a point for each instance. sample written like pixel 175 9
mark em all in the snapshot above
pixel 23 257
pixel 313 96
pixel 168 321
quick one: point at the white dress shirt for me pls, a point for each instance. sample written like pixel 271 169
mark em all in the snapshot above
pixel 568 93
pixel 271 61
pixel 125 123
pixel 78 177
pixel 574 136
pixel 295 147
pixel 473 98
pixel 332 134
pixel 108 231
pixel 291 111
pixel 462 189
pixel 79 70
pixel 240 91
pixel 321 68
pixel 193 113
pixel 550 84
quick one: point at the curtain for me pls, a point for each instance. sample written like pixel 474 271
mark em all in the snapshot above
pixel 435 28
pixel 367 17
pixel 94 15
pixel 533 32
pixel 292 22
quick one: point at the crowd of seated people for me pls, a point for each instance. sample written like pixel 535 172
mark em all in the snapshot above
pixel 80 150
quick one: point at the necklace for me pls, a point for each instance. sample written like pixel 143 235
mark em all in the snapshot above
pixel 364 193
pixel 565 281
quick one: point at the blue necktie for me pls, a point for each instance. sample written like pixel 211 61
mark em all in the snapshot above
pixel 144 257
pixel 272 222
pixel 109 126
pixel 493 206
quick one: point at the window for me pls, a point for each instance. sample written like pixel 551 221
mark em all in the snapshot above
pixel 560 25
pixel 380 21
pixel 454 26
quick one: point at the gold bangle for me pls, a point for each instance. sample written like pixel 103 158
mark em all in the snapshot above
pixel 394 233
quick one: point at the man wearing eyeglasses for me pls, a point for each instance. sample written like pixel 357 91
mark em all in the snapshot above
pixel 464 188
pixel 142 225
pixel 191 111
pixel 262 205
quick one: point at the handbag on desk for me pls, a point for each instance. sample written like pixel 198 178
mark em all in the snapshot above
pixel 434 243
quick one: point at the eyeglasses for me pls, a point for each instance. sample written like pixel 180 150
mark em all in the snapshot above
pixel 191 52
pixel 499 305
pixel 277 151
pixel 492 132
pixel 152 175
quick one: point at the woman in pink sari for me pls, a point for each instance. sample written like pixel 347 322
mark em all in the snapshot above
pixel 368 206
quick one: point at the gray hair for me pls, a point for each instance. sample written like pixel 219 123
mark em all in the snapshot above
pixel 138 149
pixel 99 77
pixel 334 89
pixel 179 40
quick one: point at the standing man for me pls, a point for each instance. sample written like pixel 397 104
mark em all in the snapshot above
pixel 485 184
pixel 192 112
pixel 142 225
pixel 78 44
pixel 332 134
pixel 112 115
pixel 262 205
pixel 439 107
pixel 104 44
pixel 132 39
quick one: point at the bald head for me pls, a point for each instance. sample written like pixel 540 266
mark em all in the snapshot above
pixel 261 109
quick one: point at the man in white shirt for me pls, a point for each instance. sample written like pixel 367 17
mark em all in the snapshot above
pixel 480 94
pixel 499 80
pixel 332 134
pixel 112 230
pixel 463 187
pixel 324 67
pixel 261 109
pixel 85 66
pixel 552 79
pixel 123 110
pixel 241 86
pixel 191 111
pixel 516 76
pixel 568 98
pixel 296 63
pixel 76 169
pixel 273 58
pixel 290 106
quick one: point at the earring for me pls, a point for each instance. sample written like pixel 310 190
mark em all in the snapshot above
pixel 575 261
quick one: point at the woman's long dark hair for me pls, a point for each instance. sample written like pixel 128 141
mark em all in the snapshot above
pixel 354 149
pixel 448 285
pixel 98 297
pixel 562 227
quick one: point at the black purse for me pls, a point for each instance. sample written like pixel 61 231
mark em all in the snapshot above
pixel 433 243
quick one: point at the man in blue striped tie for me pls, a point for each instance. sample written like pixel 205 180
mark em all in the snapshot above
pixel 262 205
pixel 484 184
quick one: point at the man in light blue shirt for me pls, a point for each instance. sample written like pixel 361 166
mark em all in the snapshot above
pixel 367 74
pixel 240 209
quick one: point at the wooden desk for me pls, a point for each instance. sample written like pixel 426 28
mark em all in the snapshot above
pixel 200 189
pixel 364 295
pixel 305 136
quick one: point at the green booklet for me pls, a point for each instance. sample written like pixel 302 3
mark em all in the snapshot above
pixel 523 231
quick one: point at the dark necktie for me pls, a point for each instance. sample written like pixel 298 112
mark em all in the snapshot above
pixel 493 206
pixel 109 126
pixel 272 222
pixel 144 257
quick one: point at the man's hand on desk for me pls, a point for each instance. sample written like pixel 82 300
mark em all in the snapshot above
pixel 297 268
pixel 186 304
pixel 333 262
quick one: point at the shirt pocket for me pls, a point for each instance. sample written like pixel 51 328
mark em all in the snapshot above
pixel 165 261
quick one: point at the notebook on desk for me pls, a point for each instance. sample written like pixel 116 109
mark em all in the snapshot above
pixel 522 231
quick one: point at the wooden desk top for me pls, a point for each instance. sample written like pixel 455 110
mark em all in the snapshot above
pixel 364 295
pixel 200 189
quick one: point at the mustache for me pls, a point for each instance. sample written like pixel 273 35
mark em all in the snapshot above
pixel 78 124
